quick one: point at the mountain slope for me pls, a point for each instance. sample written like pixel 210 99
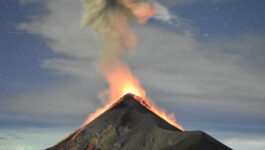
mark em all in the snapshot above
pixel 130 125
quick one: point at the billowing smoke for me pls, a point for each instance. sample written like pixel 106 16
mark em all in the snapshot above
pixel 111 20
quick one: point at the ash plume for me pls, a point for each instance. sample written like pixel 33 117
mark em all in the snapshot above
pixel 111 20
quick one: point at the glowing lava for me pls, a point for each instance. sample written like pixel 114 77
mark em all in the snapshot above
pixel 129 88
pixel 123 82
pixel 170 118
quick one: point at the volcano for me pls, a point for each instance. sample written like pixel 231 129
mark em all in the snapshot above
pixel 130 125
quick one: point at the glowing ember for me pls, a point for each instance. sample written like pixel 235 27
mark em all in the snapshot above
pixel 159 112
pixel 121 81
pixel 129 87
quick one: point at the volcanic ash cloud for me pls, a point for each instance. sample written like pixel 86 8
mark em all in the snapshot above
pixel 111 19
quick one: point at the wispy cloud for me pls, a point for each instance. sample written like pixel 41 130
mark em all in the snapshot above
pixel 68 102
pixel 171 3
pixel 33 138
pixel 3 138
pixel 164 14
pixel 210 74
pixel 29 1
pixel 246 144
pixel 166 17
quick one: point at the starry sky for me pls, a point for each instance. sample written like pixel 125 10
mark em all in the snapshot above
pixel 206 67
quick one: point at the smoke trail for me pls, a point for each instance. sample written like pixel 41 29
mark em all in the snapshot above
pixel 111 19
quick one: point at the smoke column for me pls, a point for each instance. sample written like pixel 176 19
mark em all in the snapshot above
pixel 111 19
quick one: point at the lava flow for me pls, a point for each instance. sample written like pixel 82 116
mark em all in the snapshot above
pixel 132 86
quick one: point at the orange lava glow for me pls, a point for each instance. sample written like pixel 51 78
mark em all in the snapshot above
pixel 123 82
pixel 170 118
pixel 129 88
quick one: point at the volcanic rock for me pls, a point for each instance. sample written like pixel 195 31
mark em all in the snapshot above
pixel 130 125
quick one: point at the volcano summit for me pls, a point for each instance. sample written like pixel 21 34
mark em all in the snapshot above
pixel 130 125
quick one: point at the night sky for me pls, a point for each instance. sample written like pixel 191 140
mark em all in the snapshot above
pixel 201 60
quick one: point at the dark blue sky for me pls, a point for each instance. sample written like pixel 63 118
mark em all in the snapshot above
pixel 226 18
pixel 21 52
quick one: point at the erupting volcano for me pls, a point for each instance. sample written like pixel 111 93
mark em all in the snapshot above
pixel 111 19
pixel 130 124
pixel 139 95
